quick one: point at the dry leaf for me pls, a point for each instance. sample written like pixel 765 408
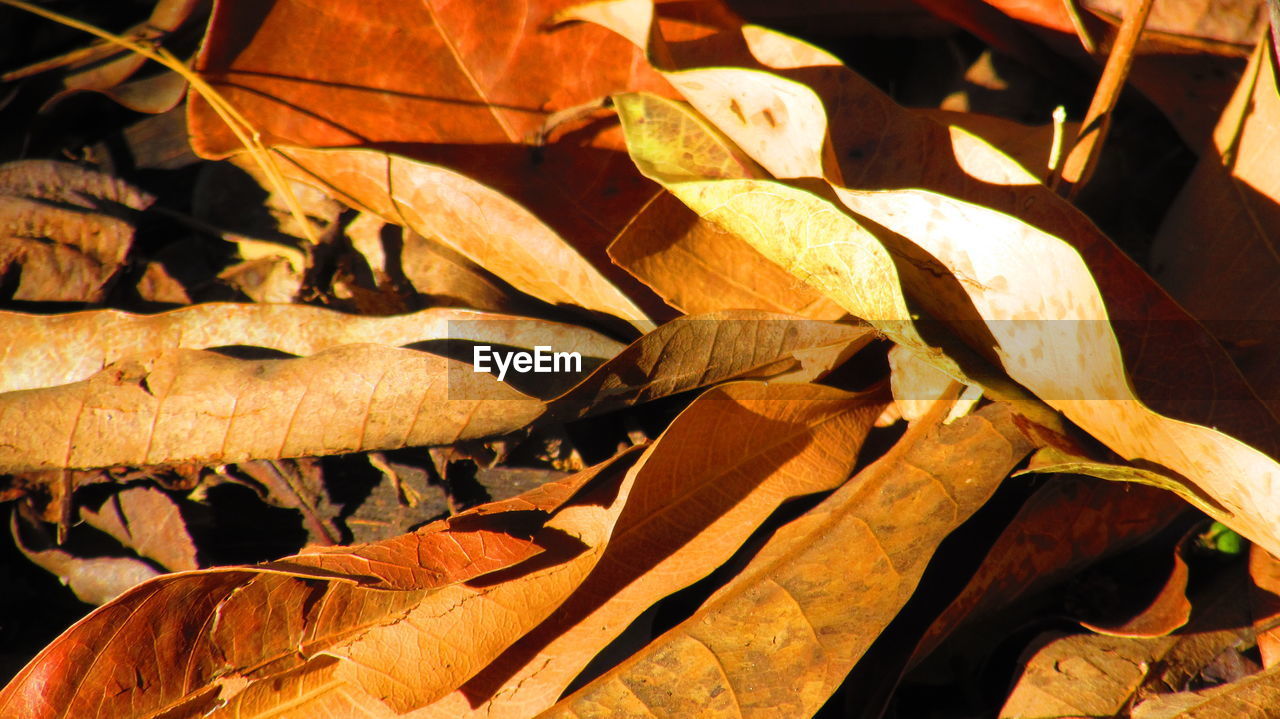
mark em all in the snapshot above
pixel 1043 318
pixel 94 580
pixel 783 117
pixel 692 264
pixel 147 521
pixel 61 232
pixel 210 634
pixel 1264 602
pixel 48 350
pixel 189 406
pixel 1065 526
pixel 476 221
pixel 1098 676
pixel 695 351
pixel 1216 251
pixel 700 494
pixel 782 635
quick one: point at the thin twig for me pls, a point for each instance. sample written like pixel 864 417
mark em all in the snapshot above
pixel 1077 22
pixel 1083 158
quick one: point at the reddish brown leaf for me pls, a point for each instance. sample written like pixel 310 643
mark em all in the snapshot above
pixel 1065 526
pixel 215 631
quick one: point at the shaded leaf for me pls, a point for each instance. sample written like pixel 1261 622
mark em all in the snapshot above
pixel 60 234
pixel 190 659
pixel 94 580
pixel 783 634
pixel 1098 675
pixel 696 351
pixel 1253 697
pixel 476 221
pixel 1264 603
pixel 1065 526
pixel 808 116
pixel 1216 250
pixel 147 521
pixel 700 494
pixel 1022 297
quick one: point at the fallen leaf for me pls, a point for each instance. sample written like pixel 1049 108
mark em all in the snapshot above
pixel 113 72
pixel 1253 697
pixel 700 350
pixel 1067 525
pixel 189 406
pixel 476 221
pixel 916 385
pixel 61 237
pixel 799 113
pixel 1264 601
pixel 1095 675
pixel 782 635
pixel 209 631
pixel 1216 250
pixel 147 521
pixel 1082 675
pixel 700 493
pixel 692 264
pixel 1023 298
pixel 1166 613
pixel 498 77
pixel 48 350
pixel 94 580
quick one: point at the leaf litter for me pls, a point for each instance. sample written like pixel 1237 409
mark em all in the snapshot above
pixel 822 337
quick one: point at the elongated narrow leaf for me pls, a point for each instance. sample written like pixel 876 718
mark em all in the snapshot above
pixel 213 634
pixel 47 350
pixel 700 494
pixel 781 637
pixel 190 406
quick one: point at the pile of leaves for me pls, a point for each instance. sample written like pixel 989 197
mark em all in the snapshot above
pixel 872 418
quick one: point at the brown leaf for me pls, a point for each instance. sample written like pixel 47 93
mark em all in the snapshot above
pixel 697 351
pixel 219 631
pixel 1264 601
pixel 699 494
pixel 494 76
pixel 781 636
pixel 1253 697
pixel 147 521
pixel 692 264
pixel 59 231
pixel 1034 306
pixel 1098 676
pixel 48 350
pixel 1066 525
pixel 94 580
pixel 189 406
pixel 110 70
pixel 1167 612
pixel 478 222
pixel 497 75
pixel 806 115
pixel 1216 251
